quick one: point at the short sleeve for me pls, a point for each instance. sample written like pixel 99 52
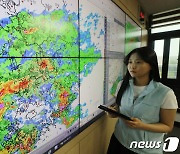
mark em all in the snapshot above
pixel 170 101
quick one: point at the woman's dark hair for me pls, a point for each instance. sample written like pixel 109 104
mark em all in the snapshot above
pixel 150 57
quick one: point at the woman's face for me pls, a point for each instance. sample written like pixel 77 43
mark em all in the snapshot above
pixel 137 67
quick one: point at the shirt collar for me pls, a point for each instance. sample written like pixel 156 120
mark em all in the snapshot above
pixel 150 87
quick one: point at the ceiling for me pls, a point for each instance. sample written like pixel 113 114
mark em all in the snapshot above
pixel 156 6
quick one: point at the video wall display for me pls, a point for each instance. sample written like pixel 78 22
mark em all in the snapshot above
pixel 59 60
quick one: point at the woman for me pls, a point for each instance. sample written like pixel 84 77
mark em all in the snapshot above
pixel 150 104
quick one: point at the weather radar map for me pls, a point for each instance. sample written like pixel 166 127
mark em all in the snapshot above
pixel 43 65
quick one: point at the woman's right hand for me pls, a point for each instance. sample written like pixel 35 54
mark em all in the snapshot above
pixel 111 115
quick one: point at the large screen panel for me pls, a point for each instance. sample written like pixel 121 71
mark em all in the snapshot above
pixel 91 30
pixel 39 101
pixel 39 28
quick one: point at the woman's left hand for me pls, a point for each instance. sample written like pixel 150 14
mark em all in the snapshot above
pixel 135 123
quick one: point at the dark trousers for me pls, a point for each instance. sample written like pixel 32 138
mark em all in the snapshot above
pixel 115 147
